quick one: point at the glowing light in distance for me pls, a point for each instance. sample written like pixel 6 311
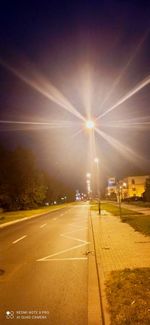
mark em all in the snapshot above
pixel 88 175
pixel 96 160
pixel 90 124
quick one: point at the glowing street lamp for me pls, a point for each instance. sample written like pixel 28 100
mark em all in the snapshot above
pixel 88 175
pixel 90 124
pixel 96 160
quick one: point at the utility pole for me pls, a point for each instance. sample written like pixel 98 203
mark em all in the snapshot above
pixel 119 200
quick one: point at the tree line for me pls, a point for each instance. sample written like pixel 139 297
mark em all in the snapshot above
pixel 23 185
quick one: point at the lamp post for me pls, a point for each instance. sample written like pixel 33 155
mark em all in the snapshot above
pixel 88 181
pixel 119 198
pixel 96 160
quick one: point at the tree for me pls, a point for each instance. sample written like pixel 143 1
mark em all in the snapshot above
pixel 146 194
pixel 21 182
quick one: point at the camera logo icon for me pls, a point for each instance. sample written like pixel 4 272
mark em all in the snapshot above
pixel 9 314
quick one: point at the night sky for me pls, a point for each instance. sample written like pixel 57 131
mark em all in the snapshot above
pixel 59 56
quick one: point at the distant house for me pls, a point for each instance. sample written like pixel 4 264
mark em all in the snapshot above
pixel 128 187
pixel 111 191
pixel 133 186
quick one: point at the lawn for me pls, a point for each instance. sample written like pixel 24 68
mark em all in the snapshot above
pixel 140 204
pixel 138 221
pixel 14 215
pixel 128 295
pixel 113 209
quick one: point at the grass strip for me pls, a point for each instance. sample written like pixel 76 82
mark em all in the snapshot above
pixel 15 215
pixel 113 209
pixel 139 204
pixel 128 295
pixel 140 223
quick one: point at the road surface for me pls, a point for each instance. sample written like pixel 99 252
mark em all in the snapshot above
pixel 44 269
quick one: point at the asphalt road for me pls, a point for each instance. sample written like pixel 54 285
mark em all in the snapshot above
pixel 44 269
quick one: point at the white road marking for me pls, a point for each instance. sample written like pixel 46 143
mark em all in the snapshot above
pixel 65 259
pixel 43 225
pixel 80 240
pixel 16 241
pixel 61 252
pixel 70 232
pixel 77 227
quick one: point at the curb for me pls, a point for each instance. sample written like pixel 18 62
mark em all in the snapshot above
pixel 101 281
pixel 94 306
pixel 3 225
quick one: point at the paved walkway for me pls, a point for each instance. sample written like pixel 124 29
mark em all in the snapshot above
pixel 118 246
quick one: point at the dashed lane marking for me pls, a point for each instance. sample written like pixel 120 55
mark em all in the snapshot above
pixel 43 225
pixel 17 240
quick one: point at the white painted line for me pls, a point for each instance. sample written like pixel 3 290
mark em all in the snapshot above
pixel 74 225
pixel 70 232
pixel 16 241
pixel 43 225
pixel 61 252
pixel 74 238
pixel 65 259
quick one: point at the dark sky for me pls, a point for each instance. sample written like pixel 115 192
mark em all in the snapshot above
pixel 93 53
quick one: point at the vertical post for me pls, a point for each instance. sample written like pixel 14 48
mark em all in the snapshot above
pixel 99 206
pixel 120 212
pixel 98 185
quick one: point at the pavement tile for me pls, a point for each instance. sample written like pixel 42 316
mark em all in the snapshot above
pixel 118 245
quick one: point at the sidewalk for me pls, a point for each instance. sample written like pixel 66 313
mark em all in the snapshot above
pixel 117 246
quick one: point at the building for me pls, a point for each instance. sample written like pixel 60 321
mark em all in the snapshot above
pixel 131 186
pixel 111 190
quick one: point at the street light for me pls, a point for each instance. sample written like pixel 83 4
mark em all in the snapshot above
pixel 88 175
pixel 96 160
pixel 90 124
pixel 88 181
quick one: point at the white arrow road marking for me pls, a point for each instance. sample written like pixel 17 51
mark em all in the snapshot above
pixel 43 225
pixel 16 241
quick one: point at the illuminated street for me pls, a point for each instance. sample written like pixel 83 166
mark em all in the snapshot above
pixel 47 269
